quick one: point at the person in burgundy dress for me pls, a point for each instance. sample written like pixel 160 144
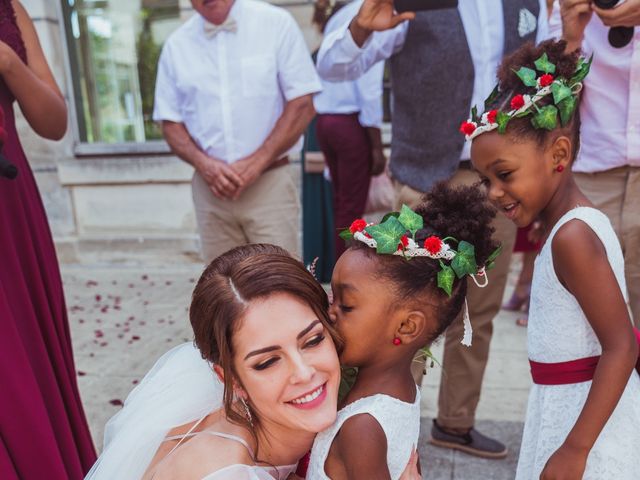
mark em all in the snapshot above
pixel 43 430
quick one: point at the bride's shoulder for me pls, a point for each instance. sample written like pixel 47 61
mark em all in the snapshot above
pixel 201 456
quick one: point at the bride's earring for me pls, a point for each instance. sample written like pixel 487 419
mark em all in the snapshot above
pixel 247 412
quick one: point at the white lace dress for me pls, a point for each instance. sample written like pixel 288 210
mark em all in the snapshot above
pixel 558 332
pixel 399 420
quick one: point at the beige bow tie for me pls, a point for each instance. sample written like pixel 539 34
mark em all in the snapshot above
pixel 229 25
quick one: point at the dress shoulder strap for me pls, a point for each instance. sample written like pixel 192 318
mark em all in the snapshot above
pixel 228 436
pixel 594 218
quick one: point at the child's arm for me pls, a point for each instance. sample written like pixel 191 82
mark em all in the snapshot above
pixel 581 264
pixel 361 447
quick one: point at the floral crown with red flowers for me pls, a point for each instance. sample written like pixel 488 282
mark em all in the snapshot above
pixel 395 235
pixel 565 99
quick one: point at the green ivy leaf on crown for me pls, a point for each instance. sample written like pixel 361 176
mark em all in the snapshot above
pixel 446 276
pixel 527 75
pixel 410 220
pixel 464 263
pixel 387 235
pixel 546 118
pixel 544 65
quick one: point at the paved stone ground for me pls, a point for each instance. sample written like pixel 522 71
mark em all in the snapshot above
pixel 124 317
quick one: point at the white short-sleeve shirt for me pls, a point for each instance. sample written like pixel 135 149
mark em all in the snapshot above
pixel 229 90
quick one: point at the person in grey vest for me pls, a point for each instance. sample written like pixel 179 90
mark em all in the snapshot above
pixel 442 63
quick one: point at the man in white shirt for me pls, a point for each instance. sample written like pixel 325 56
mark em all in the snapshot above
pixel 607 168
pixel 234 94
pixel 442 63
pixel 348 131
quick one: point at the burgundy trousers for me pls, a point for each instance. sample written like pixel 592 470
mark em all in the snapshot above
pixel 347 151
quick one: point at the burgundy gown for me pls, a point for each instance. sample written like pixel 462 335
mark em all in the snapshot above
pixel 43 430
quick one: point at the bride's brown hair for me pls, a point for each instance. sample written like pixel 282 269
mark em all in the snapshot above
pixel 222 295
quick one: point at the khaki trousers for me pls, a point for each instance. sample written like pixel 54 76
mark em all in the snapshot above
pixel 267 212
pixel 617 193
pixel 463 367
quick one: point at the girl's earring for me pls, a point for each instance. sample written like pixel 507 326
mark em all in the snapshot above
pixel 247 412
pixel 560 168
pixel 396 341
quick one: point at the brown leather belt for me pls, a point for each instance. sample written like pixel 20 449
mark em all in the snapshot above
pixel 281 162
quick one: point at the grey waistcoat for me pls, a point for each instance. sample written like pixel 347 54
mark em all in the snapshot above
pixel 432 84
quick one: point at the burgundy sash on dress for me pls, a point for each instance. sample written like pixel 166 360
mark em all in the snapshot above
pixel 574 371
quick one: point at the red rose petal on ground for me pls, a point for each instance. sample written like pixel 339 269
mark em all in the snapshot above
pixel 116 402
pixel 146 302
pixel 98 333
pixel 98 298
pixel 92 354
pixel 131 285
pixel 104 309
pixel 81 373
pixel 168 282
pixel 135 382
pixel 135 338
pixel 192 280
pixel 104 344
pixel 142 322
pixel 131 318
pixel 91 283
pixel 81 320
pixel 145 277
pixel 121 335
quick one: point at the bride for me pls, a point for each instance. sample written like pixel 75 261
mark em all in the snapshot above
pixel 267 385
pixel 252 409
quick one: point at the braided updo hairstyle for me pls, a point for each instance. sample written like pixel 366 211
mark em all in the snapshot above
pixel 460 212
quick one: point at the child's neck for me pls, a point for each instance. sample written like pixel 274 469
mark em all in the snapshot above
pixel 394 380
pixel 567 197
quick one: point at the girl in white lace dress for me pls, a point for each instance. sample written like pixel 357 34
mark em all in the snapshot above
pixel 395 290
pixel 583 416
pixel 246 402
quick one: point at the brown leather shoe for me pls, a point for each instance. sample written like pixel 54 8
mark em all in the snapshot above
pixel 472 442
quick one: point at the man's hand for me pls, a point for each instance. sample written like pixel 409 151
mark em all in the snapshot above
pixel 376 15
pixel 626 14
pixel 223 181
pixel 379 162
pixel 249 169
pixel 575 15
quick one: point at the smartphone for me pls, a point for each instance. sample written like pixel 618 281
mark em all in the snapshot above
pixel 420 5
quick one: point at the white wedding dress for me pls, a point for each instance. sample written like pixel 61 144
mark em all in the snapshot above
pixel 399 420
pixel 180 388
pixel 559 332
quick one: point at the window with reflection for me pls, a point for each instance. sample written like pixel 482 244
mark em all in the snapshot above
pixel 114 47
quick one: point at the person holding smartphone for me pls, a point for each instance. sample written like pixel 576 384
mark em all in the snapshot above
pixel 443 61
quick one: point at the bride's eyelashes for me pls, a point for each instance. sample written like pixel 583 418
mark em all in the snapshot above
pixel 314 341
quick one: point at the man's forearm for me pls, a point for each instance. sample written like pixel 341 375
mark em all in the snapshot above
pixel 182 144
pixel 290 126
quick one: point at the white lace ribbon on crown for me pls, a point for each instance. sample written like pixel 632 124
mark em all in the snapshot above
pixel 413 250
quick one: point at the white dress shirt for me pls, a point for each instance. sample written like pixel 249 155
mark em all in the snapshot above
pixel 230 89
pixel 341 59
pixel 610 105
pixel 363 95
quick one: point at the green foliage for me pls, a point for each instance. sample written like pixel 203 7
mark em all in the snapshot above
pixel 546 118
pixel 582 70
pixel 491 98
pixel 502 119
pixel 464 263
pixel 566 108
pixel 527 75
pixel 560 91
pixel 544 65
pixel 390 214
pixel 410 220
pixel 346 235
pixel 387 235
pixel 446 277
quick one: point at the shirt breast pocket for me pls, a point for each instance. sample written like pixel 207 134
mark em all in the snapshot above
pixel 259 76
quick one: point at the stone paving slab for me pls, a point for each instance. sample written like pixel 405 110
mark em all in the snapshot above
pixel 123 318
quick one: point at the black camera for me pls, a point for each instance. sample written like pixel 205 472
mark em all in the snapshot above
pixel 618 36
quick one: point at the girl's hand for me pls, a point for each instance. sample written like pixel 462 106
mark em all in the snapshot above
pixel 7 57
pixel 567 463
pixel 411 471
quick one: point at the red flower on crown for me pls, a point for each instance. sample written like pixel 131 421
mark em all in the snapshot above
pixel 404 242
pixel 357 226
pixel 433 245
pixel 517 102
pixel 492 115
pixel 467 128
pixel 545 80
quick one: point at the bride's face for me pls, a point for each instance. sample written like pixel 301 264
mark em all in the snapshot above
pixel 287 364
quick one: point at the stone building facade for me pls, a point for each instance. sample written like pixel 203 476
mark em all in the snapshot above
pixel 111 188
